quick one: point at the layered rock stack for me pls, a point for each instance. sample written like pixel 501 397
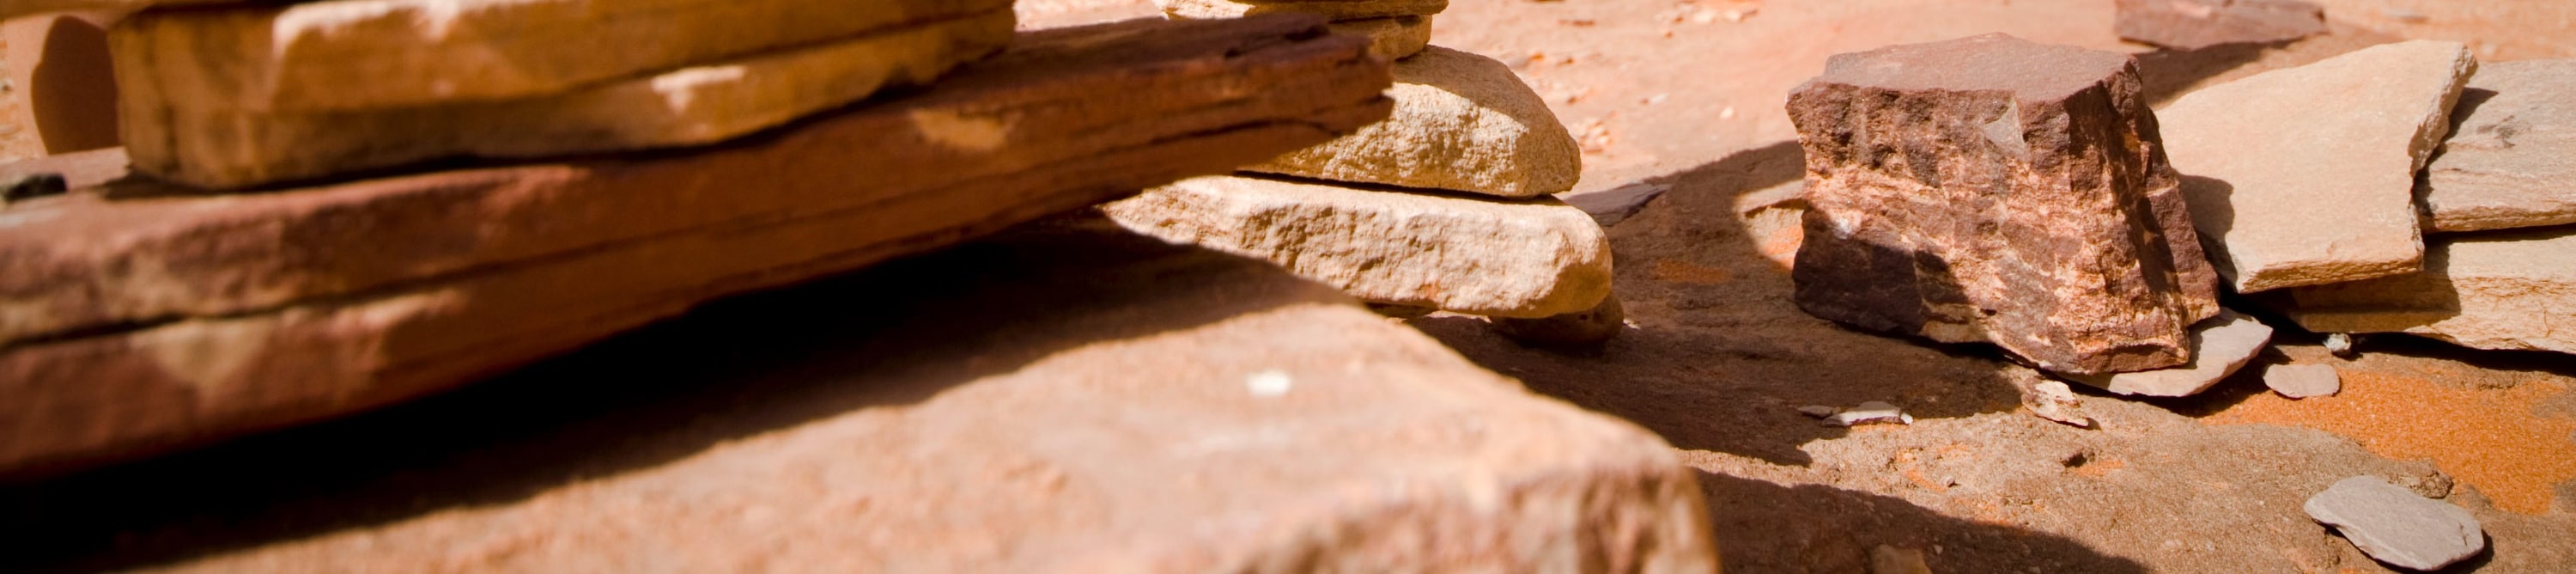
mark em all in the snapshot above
pixel 1444 206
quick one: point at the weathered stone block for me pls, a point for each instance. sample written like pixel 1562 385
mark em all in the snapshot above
pixel 2196 24
pixel 1391 38
pixel 2512 290
pixel 2511 159
pixel 1334 9
pixel 1462 123
pixel 1992 189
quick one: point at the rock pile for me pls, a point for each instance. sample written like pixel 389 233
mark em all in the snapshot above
pixel 1443 206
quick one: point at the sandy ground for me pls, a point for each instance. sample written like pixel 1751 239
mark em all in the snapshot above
pixel 1689 95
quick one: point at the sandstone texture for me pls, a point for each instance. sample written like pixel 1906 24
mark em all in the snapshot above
pixel 174 139
pixel 1041 403
pixel 1462 123
pixel 2289 192
pixel 139 318
pixel 1334 9
pixel 1391 38
pixel 2303 381
pixel 2504 291
pixel 375 54
pixel 2196 24
pixel 1525 259
pixel 1992 189
pixel 2511 159
pixel 2397 526
pixel 2219 347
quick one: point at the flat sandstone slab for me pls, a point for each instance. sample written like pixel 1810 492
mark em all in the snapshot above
pixel 1524 259
pixel 170 138
pixel 1991 189
pixel 2290 192
pixel 2505 291
pixel 373 54
pixel 2219 347
pixel 1334 9
pixel 2511 159
pixel 2196 24
pixel 1052 402
pixel 1462 123
pixel 140 319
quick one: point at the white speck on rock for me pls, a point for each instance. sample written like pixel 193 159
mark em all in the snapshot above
pixel 1268 384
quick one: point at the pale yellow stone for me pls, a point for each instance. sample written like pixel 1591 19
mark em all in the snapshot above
pixel 1390 38
pixel 2507 291
pixel 1463 123
pixel 372 54
pixel 688 106
pixel 1334 9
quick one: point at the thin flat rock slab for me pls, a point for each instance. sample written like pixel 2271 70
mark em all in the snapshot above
pixel 2500 291
pixel 2219 347
pixel 376 54
pixel 1523 259
pixel 2288 192
pixel 1462 123
pixel 2303 381
pixel 2196 24
pixel 231 149
pixel 1334 9
pixel 142 321
pixel 1391 38
pixel 1991 189
pixel 2511 159
pixel 2396 526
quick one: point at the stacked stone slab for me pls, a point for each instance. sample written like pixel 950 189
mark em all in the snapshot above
pixel 1443 206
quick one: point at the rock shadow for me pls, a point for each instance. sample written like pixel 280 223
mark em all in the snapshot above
pixel 1766 527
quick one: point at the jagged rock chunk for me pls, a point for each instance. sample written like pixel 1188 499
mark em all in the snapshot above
pixel 2512 290
pixel 1463 123
pixel 2196 24
pixel 2511 159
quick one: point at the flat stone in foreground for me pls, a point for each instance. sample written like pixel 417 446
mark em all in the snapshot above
pixel 1040 403
pixel 1990 189
pixel 2511 159
pixel 2502 291
pixel 2397 526
pixel 1524 259
pixel 2219 347
pixel 1334 9
pixel 2303 381
pixel 140 319
pixel 1462 123
pixel 2196 24
pixel 2289 190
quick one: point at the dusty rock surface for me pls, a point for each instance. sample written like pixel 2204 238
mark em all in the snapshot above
pixel 1054 402
pixel 1391 38
pixel 1462 123
pixel 2505 290
pixel 1334 9
pixel 1991 189
pixel 2396 526
pixel 2288 192
pixel 2219 347
pixel 2511 159
pixel 141 318
pixel 1525 259
pixel 2197 24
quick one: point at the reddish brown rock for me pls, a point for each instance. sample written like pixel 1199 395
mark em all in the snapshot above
pixel 1992 189
pixel 1042 403
pixel 2196 24
pixel 137 320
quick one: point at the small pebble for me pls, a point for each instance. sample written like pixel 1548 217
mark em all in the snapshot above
pixel 1871 412
pixel 2303 381
pixel 2340 344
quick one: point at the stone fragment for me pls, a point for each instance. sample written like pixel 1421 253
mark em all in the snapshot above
pixel 2052 400
pixel 1775 219
pixel 162 319
pixel 1463 123
pixel 377 54
pixel 1525 259
pixel 1818 411
pixel 1870 412
pixel 1571 330
pixel 993 418
pixel 2511 159
pixel 1334 9
pixel 2303 381
pixel 2288 192
pixel 2220 346
pixel 222 148
pixel 2196 24
pixel 1391 38
pixel 2511 290
pixel 1992 189
pixel 2340 344
pixel 1611 206
pixel 2397 527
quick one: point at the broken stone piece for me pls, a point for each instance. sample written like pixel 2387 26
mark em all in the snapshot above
pixel 2220 347
pixel 2052 400
pixel 1571 330
pixel 2288 192
pixel 1990 189
pixel 174 139
pixel 1391 38
pixel 1818 411
pixel 2508 290
pixel 1334 9
pixel 2303 381
pixel 2396 526
pixel 1463 123
pixel 379 54
pixel 1870 412
pixel 1527 259
pixel 2511 159
pixel 2196 24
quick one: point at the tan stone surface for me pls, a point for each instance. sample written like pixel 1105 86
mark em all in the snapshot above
pixel 140 321
pixel 219 148
pixel 1526 259
pixel 2506 290
pixel 374 54
pixel 2304 176
pixel 1462 122
pixel 2219 347
pixel 2511 159
pixel 1391 38
pixel 1334 9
